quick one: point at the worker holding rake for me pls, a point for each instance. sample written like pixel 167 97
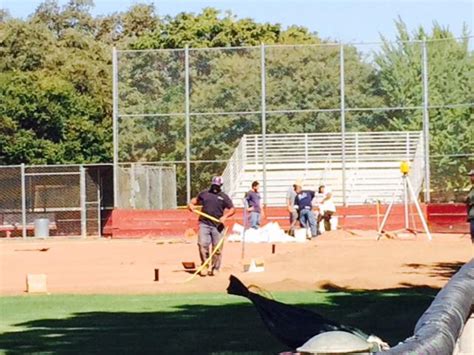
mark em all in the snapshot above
pixel 217 207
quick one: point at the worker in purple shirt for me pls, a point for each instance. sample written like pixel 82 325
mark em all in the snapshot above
pixel 303 201
pixel 254 203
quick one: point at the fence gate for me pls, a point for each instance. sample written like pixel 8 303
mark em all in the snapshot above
pixel 58 195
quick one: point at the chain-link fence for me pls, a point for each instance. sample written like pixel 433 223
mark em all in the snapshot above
pixel 147 186
pixel 74 200
pixel 193 107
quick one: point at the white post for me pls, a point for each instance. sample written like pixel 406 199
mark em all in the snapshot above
pixel 343 125
pixel 82 194
pixel 132 186
pixel 160 196
pixel 99 203
pixel 264 122
pixel 115 117
pixel 148 195
pixel 426 123
pixel 188 124
pixel 23 201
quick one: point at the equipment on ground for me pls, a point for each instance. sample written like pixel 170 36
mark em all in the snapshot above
pixel 189 265
pixel 206 263
pixel 293 326
pixel 36 283
pixel 336 342
pixel 407 189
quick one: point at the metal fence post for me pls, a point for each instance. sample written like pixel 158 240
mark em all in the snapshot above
pixel 426 123
pixel 99 203
pixel 23 201
pixel 132 186
pixel 148 195
pixel 264 122
pixel 82 194
pixel 160 191
pixel 174 203
pixel 188 128
pixel 115 123
pixel 343 125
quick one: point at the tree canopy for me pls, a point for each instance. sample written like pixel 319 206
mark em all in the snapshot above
pixel 56 85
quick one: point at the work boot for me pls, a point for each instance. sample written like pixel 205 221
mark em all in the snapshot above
pixel 203 272
pixel 213 272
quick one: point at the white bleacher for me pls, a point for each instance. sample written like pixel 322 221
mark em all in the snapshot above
pixel 372 165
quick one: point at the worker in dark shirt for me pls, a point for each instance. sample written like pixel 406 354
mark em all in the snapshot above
pixel 254 203
pixel 303 201
pixel 217 204
pixel 470 205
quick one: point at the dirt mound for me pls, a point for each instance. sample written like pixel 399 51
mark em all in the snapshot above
pixel 337 260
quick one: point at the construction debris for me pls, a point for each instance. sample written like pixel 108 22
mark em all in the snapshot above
pixel 269 233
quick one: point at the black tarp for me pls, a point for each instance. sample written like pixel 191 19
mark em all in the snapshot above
pixel 440 326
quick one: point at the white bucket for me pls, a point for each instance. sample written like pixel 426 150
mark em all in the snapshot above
pixel 300 235
pixel 238 228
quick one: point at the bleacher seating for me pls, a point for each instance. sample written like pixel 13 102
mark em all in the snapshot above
pixel 372 165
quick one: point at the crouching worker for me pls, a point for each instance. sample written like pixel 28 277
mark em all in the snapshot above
pixel 327 207
pixel 216 204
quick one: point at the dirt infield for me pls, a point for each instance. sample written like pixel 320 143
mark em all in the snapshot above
pixel 337 259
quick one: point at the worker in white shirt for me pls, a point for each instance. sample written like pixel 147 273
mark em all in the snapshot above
pixel 327 207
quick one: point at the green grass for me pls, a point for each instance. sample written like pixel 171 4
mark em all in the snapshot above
pixel 189 324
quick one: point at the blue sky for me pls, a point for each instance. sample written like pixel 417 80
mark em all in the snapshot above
pixel 341 20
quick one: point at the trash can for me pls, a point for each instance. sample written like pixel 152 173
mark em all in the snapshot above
pixel 42 227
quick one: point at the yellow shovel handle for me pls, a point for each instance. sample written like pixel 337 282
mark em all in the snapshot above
pixel 208 260
pixel 214 219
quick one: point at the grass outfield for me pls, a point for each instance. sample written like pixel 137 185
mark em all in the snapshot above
pixel 192 324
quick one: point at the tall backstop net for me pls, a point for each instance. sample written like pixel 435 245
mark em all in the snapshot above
pixel 193 111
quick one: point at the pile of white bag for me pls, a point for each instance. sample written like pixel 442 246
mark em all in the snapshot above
pixel 269 233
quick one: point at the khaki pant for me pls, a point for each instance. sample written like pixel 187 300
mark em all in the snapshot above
pixel 209 235
pixel 327 219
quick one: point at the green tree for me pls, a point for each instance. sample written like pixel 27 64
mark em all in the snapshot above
pixel 55 86
pixel 451 81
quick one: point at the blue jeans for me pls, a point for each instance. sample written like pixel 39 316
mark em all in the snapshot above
pixel 307 219
pixel 254 220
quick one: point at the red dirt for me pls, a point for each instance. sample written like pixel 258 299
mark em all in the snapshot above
pixel 355 261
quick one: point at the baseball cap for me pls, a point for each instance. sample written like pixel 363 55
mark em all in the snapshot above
pixel 217 180
pixel 471 172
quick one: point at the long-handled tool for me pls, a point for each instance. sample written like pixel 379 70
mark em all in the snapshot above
pixel 214 250
pixel 220 226
pixel 208 260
